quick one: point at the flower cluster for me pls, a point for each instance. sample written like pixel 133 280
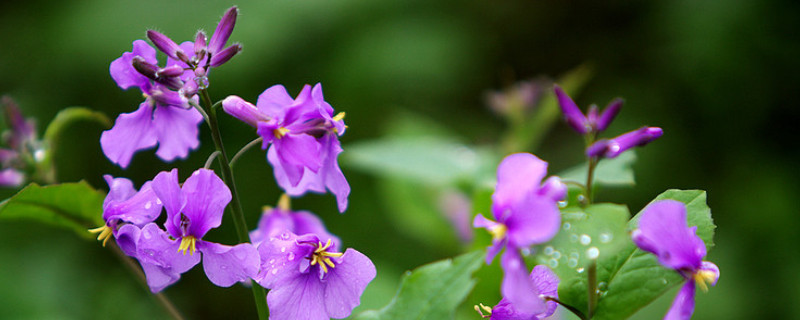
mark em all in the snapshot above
pixel 526 213
pixel 291 253
pixel 22 148
pixel 595 122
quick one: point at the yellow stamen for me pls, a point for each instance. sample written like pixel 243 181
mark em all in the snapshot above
pixel 285 203
pixel 188 243
pixel 339 116
pixel 486 309
pixel 703 278
pixel 323 257
pixel 498 231
pixel 280 132
pixel 105 232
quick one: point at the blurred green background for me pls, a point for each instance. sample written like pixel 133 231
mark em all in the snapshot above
pixel 719 76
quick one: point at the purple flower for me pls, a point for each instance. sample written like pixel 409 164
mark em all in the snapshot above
pixel 164 118
pixel 526 213
pixel 310 280
pixel 592 122
pixel 125 205
pixel 664 232
pixel 303 139
pixel 192 210
pixel 23 147
pixel 517 99
pixel 546 283
pixel 610 148
pixel 276 221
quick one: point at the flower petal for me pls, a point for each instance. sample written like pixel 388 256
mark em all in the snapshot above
pixel 518 175
pixel 663 231
pixel 177 131
pixel 139 209
pixel 300 296
pixel 160 259
pixel 165 185
pixel 534 220
pixel 683 305
pixel 345 283
pixel 226 265
pixel 275 222
pixel 206 197
pixel 280 259
pixel 547 283
pixel 131 132
pixel 274 102
pixel 122 70
pixel 517 287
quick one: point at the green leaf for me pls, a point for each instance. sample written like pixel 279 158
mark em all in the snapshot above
pixel 634 278
pixel 431 291
pixel 587 234
pixel 609 172
pixel 75 206
pixel 430 160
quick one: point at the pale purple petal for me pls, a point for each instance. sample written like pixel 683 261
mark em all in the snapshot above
pixel 275 222
pixel 122 70
pixel 554 189
pixel 345 283
pixel 177 131
pixel 547 283
pixel 497 244
pixel 309 181
pixel 534 220
pixel 127 237
pixel 517 287
pixel 141 208
pixel 683 305
pixel 504 310
pixel 332 174
pixel 206 197
pixel 299 150
pixel 663 231
pixel 711 267
pixel 160 259
pixel 280 259
pixel 226 265
pixel 300 108
pixel 298 297
pixel 518 175
pixel 119 189
pixel 165 185
pixel 274 101
pixel 131 132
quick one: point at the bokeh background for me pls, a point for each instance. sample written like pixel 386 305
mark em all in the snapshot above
pixel 719 76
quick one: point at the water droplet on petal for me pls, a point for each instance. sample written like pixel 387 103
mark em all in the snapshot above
pixel 562 204
pixel 291 256
pixel 271 261
pixel 592 253
pixel 158 201
pixel 274 271
pixel 586 239
pixel 148 205
pixel 285 236
pixel 525 251
pixel 283 249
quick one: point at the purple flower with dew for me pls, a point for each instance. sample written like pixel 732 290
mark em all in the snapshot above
pixel 192 210
pixel 23 146
pixel 526 213
pixel 611 148
pixel 164 118
pixel 125 205
pixel 590 123
pixel 546 283
pixel 303 139
pixel 309 280
pixel 664 232
pixel 276 221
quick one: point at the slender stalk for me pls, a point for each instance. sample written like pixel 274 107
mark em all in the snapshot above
pixel 592 288
pixel 235 206
pixel 590 178
pixel 572 309
pixel 244 149
pixel 133 268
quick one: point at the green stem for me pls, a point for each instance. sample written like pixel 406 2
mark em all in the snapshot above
pixel 592 288
pixel 590 138
pixel 235 206
pixel 572 309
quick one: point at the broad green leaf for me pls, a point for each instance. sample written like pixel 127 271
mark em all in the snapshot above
pixel 75 206
pixel 587 234
pixel 609 172
pixel 430 160
pixel 634 278
pixel 431 291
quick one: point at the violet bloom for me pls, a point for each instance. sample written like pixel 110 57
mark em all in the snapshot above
pixel 309 279
pixel 125 205
pixel 664 232
pixel 303 139
pixel 164 118
pixel 526 213
pixel 23 147
pixel 592 122
pixel 276 221
pixel 192 210
pixel 611 148
pixel 546 283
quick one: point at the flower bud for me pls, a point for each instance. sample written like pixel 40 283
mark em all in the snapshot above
pixel 223 31
pixel 223 56
pixel 608 115
pixel 165 44
pixel 572 114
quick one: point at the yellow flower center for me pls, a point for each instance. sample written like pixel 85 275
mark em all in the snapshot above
pixel 323 257
pixel 188 243
pixel 486 309
pixel 280 132
pixel 703 278
pixel 105 232
pixel 498 231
